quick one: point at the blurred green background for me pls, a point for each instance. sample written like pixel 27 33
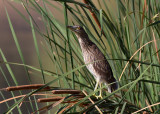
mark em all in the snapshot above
pixel 127 24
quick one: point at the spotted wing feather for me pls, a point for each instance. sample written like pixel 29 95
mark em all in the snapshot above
pixel 102 68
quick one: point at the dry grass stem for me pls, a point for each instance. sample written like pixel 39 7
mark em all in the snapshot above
pixel 133 56
pixel 66 91
pixel 94 16
pixel 155 43
pixel 49 99
pixel 6 100
pixel 93 102
pixel 24 87
pixel 146 108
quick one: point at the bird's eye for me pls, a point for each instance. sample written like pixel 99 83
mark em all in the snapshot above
pixel 78 28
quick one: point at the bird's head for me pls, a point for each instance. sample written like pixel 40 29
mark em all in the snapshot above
pixel 78 30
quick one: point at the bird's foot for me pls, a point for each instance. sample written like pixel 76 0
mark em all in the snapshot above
pixel 98 97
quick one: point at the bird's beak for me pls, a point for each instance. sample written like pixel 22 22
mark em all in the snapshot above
pixel 72 28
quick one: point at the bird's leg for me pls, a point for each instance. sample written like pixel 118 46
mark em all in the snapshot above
pixel 97 82
pixel 100 95
pixel 100 92
pixel 96 85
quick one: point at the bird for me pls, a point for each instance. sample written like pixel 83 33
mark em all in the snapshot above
pixel 95 60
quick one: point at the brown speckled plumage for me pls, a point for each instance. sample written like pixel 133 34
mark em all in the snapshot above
pixel 97 63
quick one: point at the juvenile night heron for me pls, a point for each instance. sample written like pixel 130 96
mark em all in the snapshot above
pixel 96 62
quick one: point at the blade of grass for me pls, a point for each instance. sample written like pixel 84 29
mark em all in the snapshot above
pixel 37 50
pixel 17 44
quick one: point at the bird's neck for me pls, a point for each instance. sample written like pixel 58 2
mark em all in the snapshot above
pixel 84 42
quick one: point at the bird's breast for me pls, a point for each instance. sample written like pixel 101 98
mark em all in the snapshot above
pixel 89 60
pixel 88 56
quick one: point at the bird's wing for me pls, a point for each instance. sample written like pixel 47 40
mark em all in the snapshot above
pixel 101 64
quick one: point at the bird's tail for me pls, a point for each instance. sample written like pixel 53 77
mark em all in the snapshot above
pixel 112 86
